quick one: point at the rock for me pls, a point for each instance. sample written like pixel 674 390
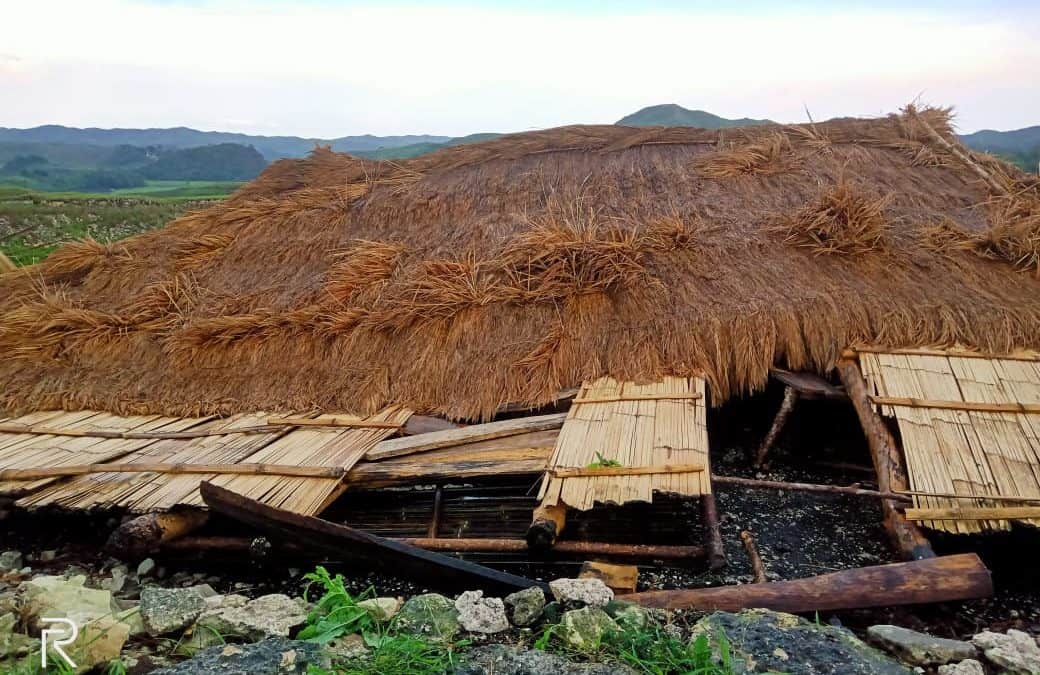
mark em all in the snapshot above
pixel 348 647
pixel 431 615
pixel 1016 652
pixel 506 660
pixel 117 580
pixel 146 567
pixel 381 609
pixel 478 614
pixel 165 610
pixel 197 638
pixel 269 615
pixel 100 640
pixel 49 596
pixel 10 561
pixel 804 647
pixel 627 615
pixel 132 618
pixel 581 592
pixel 48 555
pixel 920 649
pixel 273 656
pixel 525 606
pixel 965 667
pixel 229 600
pixel 203 591
pixel 585 628
pixel 552 612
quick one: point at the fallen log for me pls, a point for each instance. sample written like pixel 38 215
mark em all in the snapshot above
pixel 143 535
pixel 402 559
pixel 547 524
pixel 891 474
pixel 954 577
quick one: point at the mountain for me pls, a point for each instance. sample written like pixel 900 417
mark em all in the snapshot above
pixel 1020 146
pixel 416 149
pixel 672 115
pixel 271 147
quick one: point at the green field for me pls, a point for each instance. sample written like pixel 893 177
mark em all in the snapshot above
pixel 32 224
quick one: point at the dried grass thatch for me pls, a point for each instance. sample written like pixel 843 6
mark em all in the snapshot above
pixel 505 271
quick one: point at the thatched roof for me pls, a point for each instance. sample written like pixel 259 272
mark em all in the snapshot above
pixel 509 270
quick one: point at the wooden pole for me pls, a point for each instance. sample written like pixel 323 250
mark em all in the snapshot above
pixel 975 513
pixel 758 568
pixel 906 536
pixel 143 535
pixel 954 577
pixel 588 472
pixel 143 467
pixel 712 533
pixel 786 406
pixel 809 487
pixel 546 525
pixel 435 518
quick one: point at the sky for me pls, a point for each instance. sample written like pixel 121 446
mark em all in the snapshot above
pixel 327 69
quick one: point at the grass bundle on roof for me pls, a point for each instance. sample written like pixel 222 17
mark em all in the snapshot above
pixel 768 155
pixel 841 220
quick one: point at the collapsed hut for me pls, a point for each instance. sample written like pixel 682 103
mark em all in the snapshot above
pixel 293 329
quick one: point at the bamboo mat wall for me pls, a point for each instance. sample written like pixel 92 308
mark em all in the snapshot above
pixel 636 426
pixel 151 491
pixel 964 452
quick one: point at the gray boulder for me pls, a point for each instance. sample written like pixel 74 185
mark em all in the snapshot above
pixel 1015 652
pixel 165 610
pixel 478 614
pixel 525 607
pixel 581 592
pixel 431 615
pixel 273 656
pixel 10 561
pixel 762 641
pixel 965 667
pixel 585 628
pixel 507 660
pixel 920 649
pixel 273 615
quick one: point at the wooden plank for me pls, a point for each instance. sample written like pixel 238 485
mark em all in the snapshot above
pixel 974 513
pixel 350 422
pixel 180 468
pixel 1021 355
pixel 982 406
pixel 398 447
pixel 621 579
pixel 425 424
pixel 808 384
pixel 637 397
pixel 407 561
pixel 980 497
pixel 450 464
pixel 945 579
pixel 38 430
pixel 591 472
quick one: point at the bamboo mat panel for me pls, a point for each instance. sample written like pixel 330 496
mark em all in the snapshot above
pixel 150 491
pixel 963 452
pixel 634 433
pixel 27 451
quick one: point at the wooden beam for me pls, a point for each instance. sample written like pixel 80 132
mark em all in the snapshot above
pixel 981 406
pixel 142 467
pixel 975 513
pixel 547 524
pixel 396 447
pixel 638 397
pixel 949 353
pixel 981 497
pixel 786 406
pixel 12 428
pixel 712 533
pixel 809 487
pixel 949 578
pixel 907 537
pixel 350 422
pixel 592 472
pixel 452 464
pixel 379 553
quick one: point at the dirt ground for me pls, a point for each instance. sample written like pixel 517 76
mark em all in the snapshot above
pixel 798 534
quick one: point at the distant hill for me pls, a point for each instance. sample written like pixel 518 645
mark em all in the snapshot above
pixel 1020 146
pixel 271 147
pixel 221 162
pixel 416 149
pixel 673 115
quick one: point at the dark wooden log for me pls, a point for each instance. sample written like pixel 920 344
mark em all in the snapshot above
pixel 401 559
pixel 143 535
pixel 758 568
pixel 907 537
pixel 954 577
pixel 546 525
pixel 712 533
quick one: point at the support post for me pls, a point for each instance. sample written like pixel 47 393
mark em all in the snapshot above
pixel 546 525
pixel 790 398
pixel 891 474
pixel 712 534
pixel 145 534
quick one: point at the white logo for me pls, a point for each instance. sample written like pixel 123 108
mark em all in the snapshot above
pixel 59 638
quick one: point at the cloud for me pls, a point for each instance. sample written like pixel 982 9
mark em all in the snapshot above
pixel 331 69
